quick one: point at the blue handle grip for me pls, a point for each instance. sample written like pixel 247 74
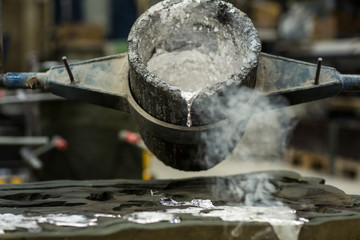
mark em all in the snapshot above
pixel 351 82
pixel 20 80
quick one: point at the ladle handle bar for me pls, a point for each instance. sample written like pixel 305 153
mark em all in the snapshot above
pixel 351 82
pixel 22 80
pixel 104 81
pixel 300 81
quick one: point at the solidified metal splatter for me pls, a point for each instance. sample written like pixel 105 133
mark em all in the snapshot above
pixel 9 222
pixel 152 217
pixel 283 219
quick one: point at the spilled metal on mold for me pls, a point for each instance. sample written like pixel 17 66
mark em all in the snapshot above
pixel 170 205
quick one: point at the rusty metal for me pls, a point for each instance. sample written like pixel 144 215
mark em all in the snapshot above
pixel 33 82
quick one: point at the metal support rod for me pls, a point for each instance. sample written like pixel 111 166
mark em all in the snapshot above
pixel 30 158
pixel 66 64
pixel 318 69
pixel 12 140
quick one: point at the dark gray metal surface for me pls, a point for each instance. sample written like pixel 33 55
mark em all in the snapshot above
pixel 196 208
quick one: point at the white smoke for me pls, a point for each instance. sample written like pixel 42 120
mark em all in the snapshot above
pixel 264 138
pixel 263 132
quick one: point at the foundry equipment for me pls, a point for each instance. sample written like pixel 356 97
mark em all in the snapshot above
pixel 163 114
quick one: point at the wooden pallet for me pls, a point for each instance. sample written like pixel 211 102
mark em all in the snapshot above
pixel 308 160
pixel 347 168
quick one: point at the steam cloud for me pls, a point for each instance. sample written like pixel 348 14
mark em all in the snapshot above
pixel 268 129
pixel 266 141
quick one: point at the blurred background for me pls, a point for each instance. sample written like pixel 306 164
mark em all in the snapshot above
pixel 44 137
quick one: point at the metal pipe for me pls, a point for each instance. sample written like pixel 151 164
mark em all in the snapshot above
pixel 12 140
pixel 30 158
pixel 23 80
pixel 351 82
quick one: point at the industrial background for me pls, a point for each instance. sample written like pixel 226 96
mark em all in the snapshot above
pixel 74 170
pixel 43 137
